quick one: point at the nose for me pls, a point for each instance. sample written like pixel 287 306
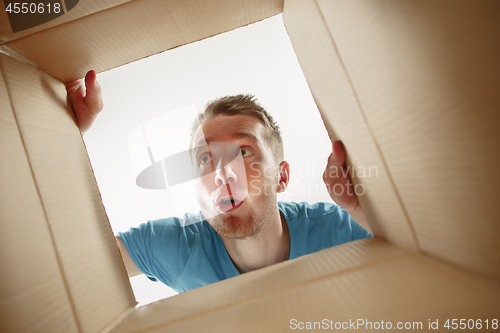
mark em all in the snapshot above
pixel 225 175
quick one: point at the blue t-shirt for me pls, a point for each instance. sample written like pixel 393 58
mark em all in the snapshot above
pixel 186 255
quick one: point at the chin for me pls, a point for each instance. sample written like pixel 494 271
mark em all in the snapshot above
pixel 244 222
pixel 230 226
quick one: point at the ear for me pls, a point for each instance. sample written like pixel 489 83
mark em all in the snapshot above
pixel 284 174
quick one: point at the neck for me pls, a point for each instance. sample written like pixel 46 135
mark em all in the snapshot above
pixel 269 246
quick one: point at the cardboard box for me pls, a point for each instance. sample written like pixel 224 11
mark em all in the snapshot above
pixel 409 86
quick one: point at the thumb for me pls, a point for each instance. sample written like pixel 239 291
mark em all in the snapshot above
pixel 338 152
pixel 93 97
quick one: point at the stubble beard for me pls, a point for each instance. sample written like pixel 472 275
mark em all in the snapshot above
pixel 236 226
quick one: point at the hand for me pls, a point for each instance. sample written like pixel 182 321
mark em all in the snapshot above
pixel 339 185
pixel 85 100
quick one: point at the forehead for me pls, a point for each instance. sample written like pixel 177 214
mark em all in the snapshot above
pixel 226 128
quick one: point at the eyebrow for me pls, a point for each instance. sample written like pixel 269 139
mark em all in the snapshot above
pixel 240 135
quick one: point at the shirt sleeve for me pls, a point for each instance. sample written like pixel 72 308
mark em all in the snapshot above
pixel 160 249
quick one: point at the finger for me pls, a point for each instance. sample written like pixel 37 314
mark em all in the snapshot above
pixel 338 152
pixel 337 180
pixel 335 174
pixel 335 166
pixel 93 97
pixel 76 92
pixel 342 192
pixel 340 188
pixel 70 86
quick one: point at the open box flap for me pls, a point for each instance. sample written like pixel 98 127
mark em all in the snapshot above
pixel 33 294
pixel 89 263
pixel 368 279
pixel 81 9
pixel 132 31
pixel 416 84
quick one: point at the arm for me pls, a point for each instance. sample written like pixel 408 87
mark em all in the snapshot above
pixel 340 187
pixel 85 100
pixel 131 267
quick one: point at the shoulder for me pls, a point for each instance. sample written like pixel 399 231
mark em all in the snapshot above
pixel 319 216
pixel 189 220
pixel 186 226
pixel 304 210
pixel 323 224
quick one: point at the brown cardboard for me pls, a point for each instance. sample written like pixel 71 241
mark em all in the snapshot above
pixel 71 203
pixel 345 121
pixel 410 87
pixel 260 284
pixel 132 31
pixel 429 92
pixel 367 279
pixel 31 280
pixel 82 9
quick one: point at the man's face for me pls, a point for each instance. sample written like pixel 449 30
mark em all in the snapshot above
pixel 237 190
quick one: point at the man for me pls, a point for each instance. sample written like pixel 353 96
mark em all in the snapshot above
pixel 237 154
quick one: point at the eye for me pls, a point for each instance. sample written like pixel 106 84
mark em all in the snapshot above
pixel 206 159
pixel 246 152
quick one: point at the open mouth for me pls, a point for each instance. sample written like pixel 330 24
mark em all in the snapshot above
pixel 228 204
pixel 228 201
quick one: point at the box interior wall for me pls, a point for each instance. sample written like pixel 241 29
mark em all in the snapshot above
pixel 410 87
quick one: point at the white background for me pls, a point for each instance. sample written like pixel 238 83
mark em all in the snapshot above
pixel 257 59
